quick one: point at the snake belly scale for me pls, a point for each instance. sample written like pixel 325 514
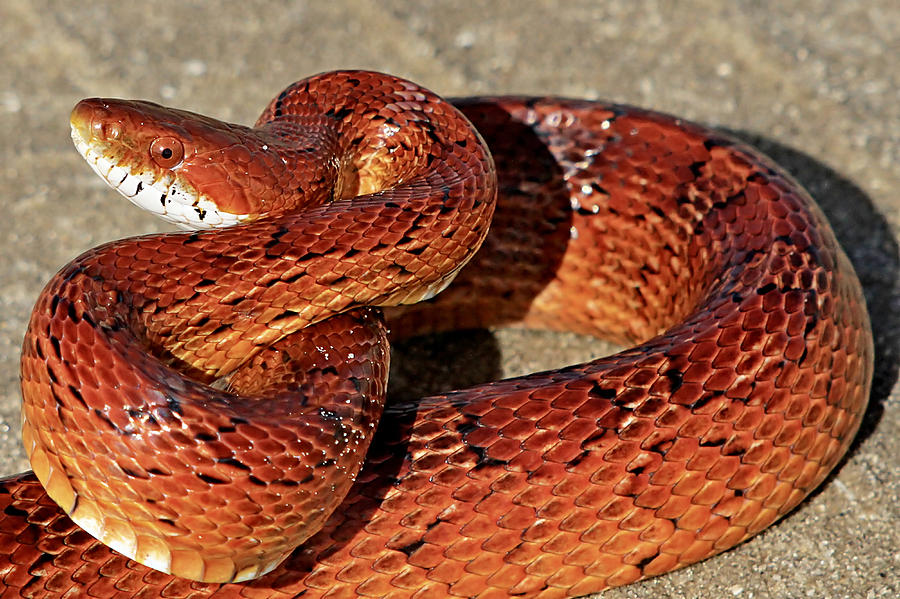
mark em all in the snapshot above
pixel 203 401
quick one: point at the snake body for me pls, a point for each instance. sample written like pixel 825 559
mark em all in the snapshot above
pixel 751 372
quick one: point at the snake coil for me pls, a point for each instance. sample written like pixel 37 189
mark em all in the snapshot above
pixel 203 402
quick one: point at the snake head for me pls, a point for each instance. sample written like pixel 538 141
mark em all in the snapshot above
pixel 191 170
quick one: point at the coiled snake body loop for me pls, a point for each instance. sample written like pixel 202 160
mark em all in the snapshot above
pixel 751 373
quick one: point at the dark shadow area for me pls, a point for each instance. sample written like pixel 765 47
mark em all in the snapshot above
pixel 867 240
pixel 529 234
pixel 431 364
pixel 533 208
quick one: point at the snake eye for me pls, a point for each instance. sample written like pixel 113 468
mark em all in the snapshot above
pixel 166 152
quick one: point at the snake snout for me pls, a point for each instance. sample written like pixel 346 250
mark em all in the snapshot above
pixel 91 120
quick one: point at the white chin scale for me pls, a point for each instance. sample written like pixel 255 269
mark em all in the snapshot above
pixel 166 197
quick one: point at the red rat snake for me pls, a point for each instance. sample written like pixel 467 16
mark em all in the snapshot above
pixel 202 400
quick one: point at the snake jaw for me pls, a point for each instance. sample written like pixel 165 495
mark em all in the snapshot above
pixel 160 191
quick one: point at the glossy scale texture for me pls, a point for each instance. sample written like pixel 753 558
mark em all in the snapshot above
pixel 751 374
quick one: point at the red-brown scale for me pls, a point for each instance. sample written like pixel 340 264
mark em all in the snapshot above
pixel 751 375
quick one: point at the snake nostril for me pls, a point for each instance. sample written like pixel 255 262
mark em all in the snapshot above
pixel 112 130
pixel 94 120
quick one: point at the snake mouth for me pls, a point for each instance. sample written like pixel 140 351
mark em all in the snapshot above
pixel 161 192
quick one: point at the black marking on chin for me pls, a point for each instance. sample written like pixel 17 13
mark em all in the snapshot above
pixel 162 198
pixel 139 188
pixel 201 213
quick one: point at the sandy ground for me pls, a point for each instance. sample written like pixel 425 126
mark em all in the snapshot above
pixel 814 82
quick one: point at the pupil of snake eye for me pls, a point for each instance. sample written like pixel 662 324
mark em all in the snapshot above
pixel 166 153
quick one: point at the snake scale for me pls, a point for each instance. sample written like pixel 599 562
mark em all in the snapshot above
pixel 202 401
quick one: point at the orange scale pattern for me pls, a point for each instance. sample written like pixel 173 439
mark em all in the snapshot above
pixel 750 370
